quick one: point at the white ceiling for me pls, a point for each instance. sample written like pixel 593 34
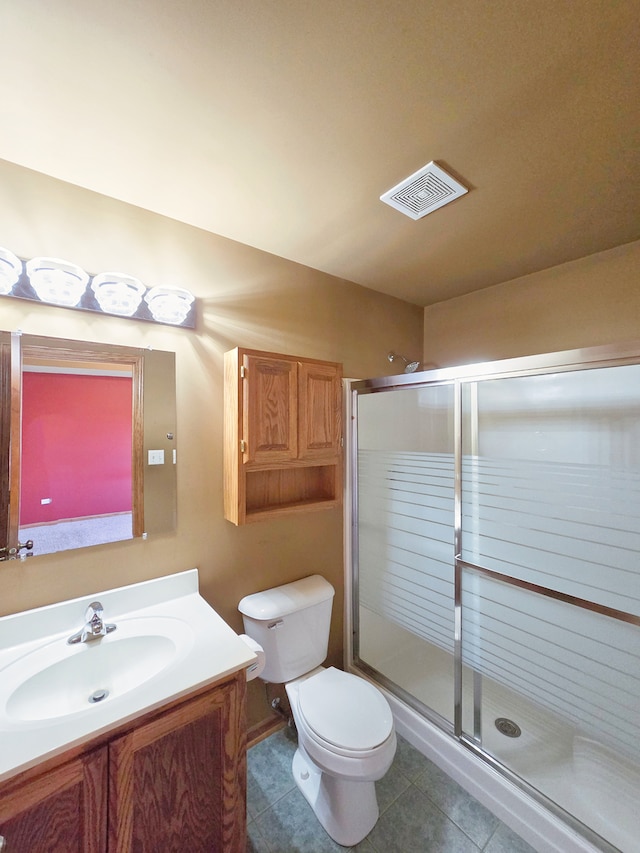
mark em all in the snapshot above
pixel 279 123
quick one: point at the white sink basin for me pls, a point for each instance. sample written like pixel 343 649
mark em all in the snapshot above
pixel 168 642
pixel 58 679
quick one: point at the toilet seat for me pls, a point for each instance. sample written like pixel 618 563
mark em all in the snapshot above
pixel 345 711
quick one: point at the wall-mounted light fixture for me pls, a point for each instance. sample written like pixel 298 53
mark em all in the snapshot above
pixel 58 282
pixel 169 306
pixel 118 293
pixel 10 271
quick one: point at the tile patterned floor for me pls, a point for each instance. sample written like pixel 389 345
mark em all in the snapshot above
pixel 422 810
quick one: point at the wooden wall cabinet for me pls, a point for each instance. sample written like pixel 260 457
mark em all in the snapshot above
pixel 282 435
pixel 176 781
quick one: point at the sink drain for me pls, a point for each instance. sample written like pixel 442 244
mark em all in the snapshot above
pixel 98 696
pixel 508 727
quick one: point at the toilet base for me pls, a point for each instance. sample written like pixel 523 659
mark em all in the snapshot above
pixel 346 808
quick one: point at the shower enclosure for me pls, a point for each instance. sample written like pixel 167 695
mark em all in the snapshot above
pixel 495 571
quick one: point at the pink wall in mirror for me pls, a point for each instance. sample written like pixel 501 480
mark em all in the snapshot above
pixel 76 432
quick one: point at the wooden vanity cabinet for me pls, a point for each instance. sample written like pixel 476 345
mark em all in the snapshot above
pixel 174 781
pixel 282 435
pixel 178 782
pixel 62 811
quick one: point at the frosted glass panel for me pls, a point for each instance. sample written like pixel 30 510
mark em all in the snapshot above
pixel 569 679
pixel 551 481
pixel 405 539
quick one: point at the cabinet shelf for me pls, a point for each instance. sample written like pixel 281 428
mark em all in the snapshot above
pixel 291 489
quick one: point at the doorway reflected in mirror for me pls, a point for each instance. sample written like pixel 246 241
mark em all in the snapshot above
pixel 88 423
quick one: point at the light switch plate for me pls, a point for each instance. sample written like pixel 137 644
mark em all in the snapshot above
pixel 156 457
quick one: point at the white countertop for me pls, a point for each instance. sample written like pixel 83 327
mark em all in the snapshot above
pixel 212 651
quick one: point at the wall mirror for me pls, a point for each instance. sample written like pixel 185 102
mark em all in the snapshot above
pixel 88 446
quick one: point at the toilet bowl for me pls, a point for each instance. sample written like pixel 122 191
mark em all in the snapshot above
pixel 345 744
pixel 346 737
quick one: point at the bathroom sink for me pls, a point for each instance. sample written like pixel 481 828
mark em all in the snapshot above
pixel 55 695
pixel 56 680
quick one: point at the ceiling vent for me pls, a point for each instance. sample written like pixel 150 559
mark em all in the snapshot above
pixel 425 191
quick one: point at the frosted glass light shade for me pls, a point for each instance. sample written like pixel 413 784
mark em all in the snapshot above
pixel 63 283
pixel 169 306
pixel 118 293
pixel 10 271
pixel 58 282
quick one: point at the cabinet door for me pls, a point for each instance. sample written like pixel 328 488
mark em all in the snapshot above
pixel 320 411
pixel 270 409
pixel 178 783
pixel 63 811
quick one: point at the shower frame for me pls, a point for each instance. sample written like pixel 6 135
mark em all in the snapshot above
pixel 615 355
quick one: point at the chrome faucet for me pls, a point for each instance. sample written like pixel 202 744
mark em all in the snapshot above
pixel 94 626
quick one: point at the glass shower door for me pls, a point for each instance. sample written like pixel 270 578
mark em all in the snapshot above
pixel 551 587
pixel 404 544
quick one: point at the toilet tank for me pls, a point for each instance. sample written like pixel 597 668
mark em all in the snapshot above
pixel 291 623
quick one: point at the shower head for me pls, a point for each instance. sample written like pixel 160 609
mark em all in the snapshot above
pixel 409 366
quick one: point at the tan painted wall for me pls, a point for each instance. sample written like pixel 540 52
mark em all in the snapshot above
pixel 595 300
pixel 247 298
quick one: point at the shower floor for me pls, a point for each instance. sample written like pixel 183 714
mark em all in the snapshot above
pixel 594 784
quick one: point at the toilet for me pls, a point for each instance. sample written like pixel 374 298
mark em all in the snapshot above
pixel 346 737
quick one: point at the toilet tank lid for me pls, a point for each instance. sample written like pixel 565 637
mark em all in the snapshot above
pixel 282 600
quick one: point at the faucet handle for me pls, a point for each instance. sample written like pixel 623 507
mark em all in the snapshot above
pixel 94 627
pixel 94 609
